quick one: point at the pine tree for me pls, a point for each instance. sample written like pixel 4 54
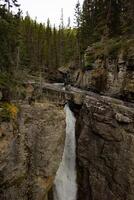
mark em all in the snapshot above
pixel 86 29
pixel 78 35
pixel 100 19
pixel 9 36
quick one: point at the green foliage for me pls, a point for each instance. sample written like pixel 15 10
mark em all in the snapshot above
pixel 44 47
pixel 9 39
pixel 110 47
pixel 6 80
pixel 128 46
pixel 28 45
pixel 89 60
pixel 103 20
pixel 12 87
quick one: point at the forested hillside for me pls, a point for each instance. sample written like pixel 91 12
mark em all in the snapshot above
pixel 105 37
pixel 26 45
pixel 102 19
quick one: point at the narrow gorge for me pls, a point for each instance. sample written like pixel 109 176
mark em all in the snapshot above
pixel 38 163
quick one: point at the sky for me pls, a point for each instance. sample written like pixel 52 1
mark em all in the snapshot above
pixel 44 9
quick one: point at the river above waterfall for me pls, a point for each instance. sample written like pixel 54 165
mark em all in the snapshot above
pixel 65 187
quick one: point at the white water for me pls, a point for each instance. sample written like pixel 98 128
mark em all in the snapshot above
pixel 65 187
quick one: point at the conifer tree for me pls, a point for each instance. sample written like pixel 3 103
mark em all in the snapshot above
pixel 9 35
pixel 78 35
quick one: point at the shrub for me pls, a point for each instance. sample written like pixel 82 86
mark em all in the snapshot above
pixel 8 112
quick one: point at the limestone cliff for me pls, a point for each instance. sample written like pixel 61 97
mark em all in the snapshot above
pixel 105 125
pixel 31 149
pixel 105 149
pixel 108 69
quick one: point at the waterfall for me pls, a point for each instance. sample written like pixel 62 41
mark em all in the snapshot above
pixel 65 187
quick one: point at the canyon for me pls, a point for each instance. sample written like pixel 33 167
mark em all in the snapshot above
pixel 32 146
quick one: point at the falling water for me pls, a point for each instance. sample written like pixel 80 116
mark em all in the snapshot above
pixel 65 187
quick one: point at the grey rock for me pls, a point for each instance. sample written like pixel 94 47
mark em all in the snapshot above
pixel 112 76
pixel 121 118
pixel 105 150
pixel 31 150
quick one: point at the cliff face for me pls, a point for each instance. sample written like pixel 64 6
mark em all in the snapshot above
pixel 105 126
pixel 31 149
pixel 105 149
pixel 109 69
pixel 109 79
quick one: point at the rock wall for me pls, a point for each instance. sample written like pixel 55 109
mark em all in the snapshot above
pixel 105 149
pixel 31 149
pixel 32 145
pixel 107 70
pixel 112 78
